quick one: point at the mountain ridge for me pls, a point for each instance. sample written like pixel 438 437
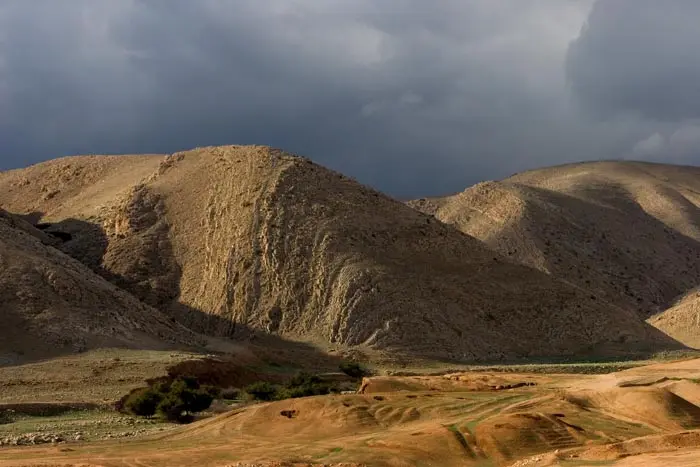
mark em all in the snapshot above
pixel 258 238
pixel 627 231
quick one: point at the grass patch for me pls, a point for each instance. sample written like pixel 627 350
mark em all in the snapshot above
pixel 84 424
pixel 551 365
pixel 562 368
pixel 668 355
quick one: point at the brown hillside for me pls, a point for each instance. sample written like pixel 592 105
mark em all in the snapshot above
pixel 626 231
pixel 682 319
pixel 253 236
pixel 52 304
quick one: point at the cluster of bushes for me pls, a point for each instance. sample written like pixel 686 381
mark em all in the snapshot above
pixel 354 370
pixel 179 398
pixel 174 400
pixel 6 416
pixel 302 385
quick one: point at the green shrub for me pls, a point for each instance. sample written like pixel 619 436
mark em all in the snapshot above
pixel 305 385
pixel 213 391
pixel 232 394
pixel 143 403
pixel 171 408
pixel 354 370
pixel 303 391
pixel 197 401
pixel 6 416
pixel 303 379
pixel 301 385
pixel 175 400
pixel 262 390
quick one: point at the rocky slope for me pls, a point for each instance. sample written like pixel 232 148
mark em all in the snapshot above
pixel 51 303
pixel 628 232
pixel 682 319
pixel 230 238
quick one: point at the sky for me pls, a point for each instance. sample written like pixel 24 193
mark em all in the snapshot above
pixel 413 97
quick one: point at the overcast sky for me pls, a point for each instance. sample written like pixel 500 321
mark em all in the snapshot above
pixel 414 97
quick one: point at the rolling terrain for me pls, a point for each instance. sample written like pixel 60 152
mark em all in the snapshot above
pixel 644 416
pixel 237 238
pixel 627 232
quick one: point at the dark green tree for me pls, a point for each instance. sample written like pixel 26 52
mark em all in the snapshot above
pixel 143 403
pixel 175 400
pixel 262 390
pixel 354 370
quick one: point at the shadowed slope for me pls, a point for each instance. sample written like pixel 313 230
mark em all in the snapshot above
pixel 52 304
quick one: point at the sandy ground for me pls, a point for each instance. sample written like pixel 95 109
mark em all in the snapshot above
pixel 643 416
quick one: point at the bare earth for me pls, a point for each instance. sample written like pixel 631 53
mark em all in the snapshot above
pixel 643 416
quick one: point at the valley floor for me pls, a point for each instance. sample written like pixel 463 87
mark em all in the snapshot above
pixel 646 415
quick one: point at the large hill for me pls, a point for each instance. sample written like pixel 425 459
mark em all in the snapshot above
pixel 52 304
pixel 224 238
pixel 628 232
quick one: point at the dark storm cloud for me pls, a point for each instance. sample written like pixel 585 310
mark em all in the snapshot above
pixel 641 57
pixel 413 97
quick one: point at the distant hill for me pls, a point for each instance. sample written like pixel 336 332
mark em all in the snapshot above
pixel 627 232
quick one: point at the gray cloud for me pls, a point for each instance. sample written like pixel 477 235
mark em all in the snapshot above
pixel 680 146
pixel 413 97
pixel 639 57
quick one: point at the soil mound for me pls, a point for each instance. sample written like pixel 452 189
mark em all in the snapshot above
pixel 512 436
pixel 656 407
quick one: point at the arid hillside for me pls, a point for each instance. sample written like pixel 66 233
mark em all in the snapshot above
pixel 225 238
pixel 52 304
pixel 682 319
pixel 627 232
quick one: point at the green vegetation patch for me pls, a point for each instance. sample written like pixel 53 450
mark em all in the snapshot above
pixel 174 400
pixel 301 385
